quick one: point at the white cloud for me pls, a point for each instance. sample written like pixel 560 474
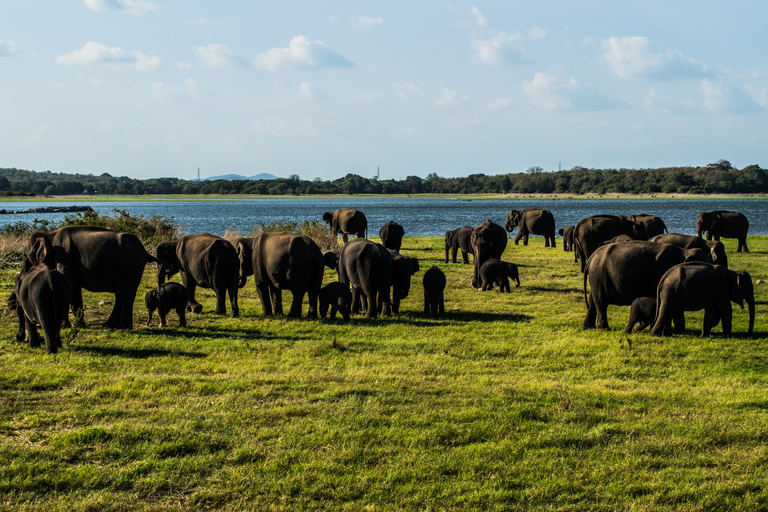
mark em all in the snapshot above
pixel 189 89
pixel 498 51
pixel 217 56
pixel 367 21
pixel 480 20
pixel 274 126
pixel 302 54
pixel 116 57
pixel 537 33
pixel 405 90
pixel 549 91
pixel 305 91
pixel 450 98
pixel 407 131
pixel 137 7
pixel 9 48
pixel 501 103
pixel 630 57
pixel 202 22
pixel 722 99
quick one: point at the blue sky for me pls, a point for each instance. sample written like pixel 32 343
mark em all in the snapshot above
pixel 151 88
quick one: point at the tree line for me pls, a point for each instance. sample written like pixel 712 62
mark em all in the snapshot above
pixel 715 178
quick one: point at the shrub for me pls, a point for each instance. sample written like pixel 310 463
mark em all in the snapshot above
pixel 314 229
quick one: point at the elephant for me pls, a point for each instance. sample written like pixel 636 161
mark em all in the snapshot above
pixel 589 233
pixel 97 259
pixel 41 296
pixel 434 292
pixel 642 312
pixel 403 267
pixel 695 286
pixel 532 221
pixel 203 260
pixel 567 234
pixel 618 239
pixel 653 225
pixel 497 272
pixel 488 241
pixel 724 224
pixel 459 238
pixel 391 235
pixel 338 297
pixel 346 221
pixel 715 250
pixel 620 273
pixel 281 260
pixel 367 267
pixel 167 297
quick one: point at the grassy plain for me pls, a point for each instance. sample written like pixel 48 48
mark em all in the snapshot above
pixel 503 404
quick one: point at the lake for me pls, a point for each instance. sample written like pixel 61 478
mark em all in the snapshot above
pixel 418 215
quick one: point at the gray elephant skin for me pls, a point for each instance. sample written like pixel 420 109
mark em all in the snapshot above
pixel 203 260
pixel 488 241
pixel 41 297
pixel 724 224
pixel 532 221
pixel 391 235
pixel 281 260
pixel 367 267
pixel 434 292
pixel 495 272
pixel 715 250
pixel 337 296
pixel 459 238
pixel 97 259
pixel 589 233
pixel 653 225
pixel 567 234
pixel 167 297
pixel 696 286
pixel 403 267
pixel 620 273
pixel 347 221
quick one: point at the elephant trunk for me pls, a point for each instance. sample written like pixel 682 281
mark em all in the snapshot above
pixel 161 274
pixel 241 282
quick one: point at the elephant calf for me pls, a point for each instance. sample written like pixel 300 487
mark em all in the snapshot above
pixel 434 289
pixel 497 272
pixel 338 297
pixel 166 297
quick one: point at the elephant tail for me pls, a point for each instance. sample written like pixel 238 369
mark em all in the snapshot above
pixel 586 273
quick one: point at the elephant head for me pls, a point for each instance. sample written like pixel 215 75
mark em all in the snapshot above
pixel 403 267
pixel 513 274
pixel 742 290
pixel 331 259
pixel 513 218
pixel 704 222
pixel 245 255
pixel 152 300
pixel 39 250
pixel 168 264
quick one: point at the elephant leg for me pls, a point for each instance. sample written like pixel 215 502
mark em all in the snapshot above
pixel 21 333
pixel 32 335
pixel 679 322
pixel 262 290
pixel 191 287
pixel 221 300
pixel 161 312
pixel 519 235
pixel 590 318
pixel 465 257
pixel 77 306
pixel 114 316
pixel 505 285
pixel 525 238
pixel 711 319
pixel 181 311
pixel 277 299
pixel 355 306
pixel 123 309
pixel 332 314
pixel 454 252
pixel 312 295
pixel 344 238
pixel 298 299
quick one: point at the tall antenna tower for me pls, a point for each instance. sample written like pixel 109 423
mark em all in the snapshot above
pixel 198 174
pixel 378 174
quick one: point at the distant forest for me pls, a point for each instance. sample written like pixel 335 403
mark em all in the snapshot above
pixel 715 178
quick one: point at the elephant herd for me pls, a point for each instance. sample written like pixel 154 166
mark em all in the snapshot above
pixel 660 275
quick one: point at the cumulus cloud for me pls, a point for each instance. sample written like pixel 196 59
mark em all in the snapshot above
pixel 550 91
pixel 629 57
pixel 115 57
pixel 9 48
pixel 405 90
pixel 480 20
pixel 368 21
pixel 217 56
pixel 450 98
pixel 722 99
pixel 189 89
pixel 498 51
pixel 501 103
pixel 302 55
pixel 537 33
pixel 137 7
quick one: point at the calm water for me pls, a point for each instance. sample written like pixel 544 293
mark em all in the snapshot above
pixel 419 216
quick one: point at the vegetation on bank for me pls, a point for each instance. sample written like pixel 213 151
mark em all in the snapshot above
pixel 715 178
pixel 503 404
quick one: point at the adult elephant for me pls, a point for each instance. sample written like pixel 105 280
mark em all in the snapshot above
pixel 714 249
pixel 391 235
pixel 403 267
pixel 41 297
pixel 347 221
pixel 653 225
pixel 589 233
pixel 697 286
pixel 367 267
pixel 532 221
pixel 279 261
pixel 203 260
pixel 96 259
pixel 459 238
pixel 488 240
pixel 567 234
pixel 725 224
pixel 620 273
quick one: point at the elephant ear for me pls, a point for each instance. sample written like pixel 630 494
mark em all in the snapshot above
pixel 43 251
pixel 414 265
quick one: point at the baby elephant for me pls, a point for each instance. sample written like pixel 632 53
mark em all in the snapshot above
pixel 338 297
pixel 497 272
pixel 434 288
pixel 643 313
pixel 41 297
pixel 166 297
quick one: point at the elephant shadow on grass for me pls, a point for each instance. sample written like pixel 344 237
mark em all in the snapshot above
pixel 135 353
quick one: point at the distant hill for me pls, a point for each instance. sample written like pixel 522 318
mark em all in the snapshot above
pixel 232 177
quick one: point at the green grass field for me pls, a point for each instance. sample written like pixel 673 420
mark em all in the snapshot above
pixel 503 404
